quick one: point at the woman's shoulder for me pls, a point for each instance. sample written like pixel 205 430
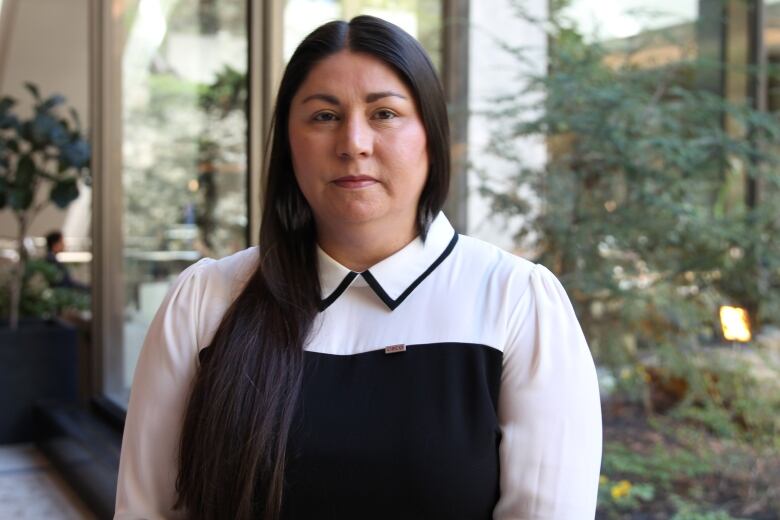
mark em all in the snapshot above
pixel 234 269
pixel 209 286
pixel 483 256
pixel 227 272
pixel 517 276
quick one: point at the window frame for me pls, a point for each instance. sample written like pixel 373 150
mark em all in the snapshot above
pixel 264 70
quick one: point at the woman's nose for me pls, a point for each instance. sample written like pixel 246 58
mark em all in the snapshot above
pixel 355 138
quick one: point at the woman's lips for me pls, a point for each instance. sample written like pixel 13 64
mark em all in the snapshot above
pixel 354 181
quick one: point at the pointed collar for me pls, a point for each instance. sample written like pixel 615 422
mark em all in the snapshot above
pixel 395 277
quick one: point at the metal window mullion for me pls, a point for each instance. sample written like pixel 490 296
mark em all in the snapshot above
pixel 107 240
pixel 455 76
pixel 264 71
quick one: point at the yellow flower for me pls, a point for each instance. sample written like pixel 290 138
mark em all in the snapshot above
pixel 603 480
pixel 621 489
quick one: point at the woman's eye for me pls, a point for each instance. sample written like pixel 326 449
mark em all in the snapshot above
pixel 385 114
pixel 325 116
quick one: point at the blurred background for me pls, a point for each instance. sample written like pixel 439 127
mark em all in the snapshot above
pixel 632 147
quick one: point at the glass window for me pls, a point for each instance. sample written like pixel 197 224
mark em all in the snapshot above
pixel 628 157
pixel 631 18
pixel 646 33
pixel 184 152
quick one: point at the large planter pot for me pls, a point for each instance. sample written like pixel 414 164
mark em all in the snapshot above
pixel 38 363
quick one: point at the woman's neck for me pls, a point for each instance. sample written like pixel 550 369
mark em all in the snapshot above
pixel 358 247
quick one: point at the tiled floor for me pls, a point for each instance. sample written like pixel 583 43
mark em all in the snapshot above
pixel 31 489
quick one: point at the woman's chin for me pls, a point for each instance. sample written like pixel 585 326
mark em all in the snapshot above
pixel 355 213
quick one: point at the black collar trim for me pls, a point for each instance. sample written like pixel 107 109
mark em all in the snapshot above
pixel 324 304
pixel 374 284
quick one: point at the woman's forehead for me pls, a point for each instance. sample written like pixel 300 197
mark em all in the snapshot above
pixel 348 71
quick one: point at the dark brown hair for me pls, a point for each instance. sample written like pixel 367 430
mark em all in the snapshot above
pixel 234 434
pixel 52 238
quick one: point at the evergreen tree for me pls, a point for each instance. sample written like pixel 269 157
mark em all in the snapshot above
pixel 639 207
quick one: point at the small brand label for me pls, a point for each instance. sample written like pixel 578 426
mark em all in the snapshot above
pixel 392 349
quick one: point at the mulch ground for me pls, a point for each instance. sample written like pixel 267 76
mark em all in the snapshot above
pixel 744 481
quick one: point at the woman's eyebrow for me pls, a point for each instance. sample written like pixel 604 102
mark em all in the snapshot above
pixel 370 98
pixel 333 100
pixel 379 95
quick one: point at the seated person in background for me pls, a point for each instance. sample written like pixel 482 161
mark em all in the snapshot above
pixel 54 245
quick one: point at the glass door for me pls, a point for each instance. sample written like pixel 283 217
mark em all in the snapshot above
pixel 177 113
pixel 183 162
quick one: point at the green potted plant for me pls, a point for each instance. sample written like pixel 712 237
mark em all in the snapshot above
pixel 42 159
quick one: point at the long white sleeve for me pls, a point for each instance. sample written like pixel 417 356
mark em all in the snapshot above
pixel 549 411
pixel 163 377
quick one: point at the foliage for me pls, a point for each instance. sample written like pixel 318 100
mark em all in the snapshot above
pixel 193 138
pixel 208 17
pixel 227 93
pixel 638 207
pixel 725 398
pixel 41 296
pixel 224 103
pixel 691 512
pixel 717 447
pixel 48 148
pixel 659 465
pixel 161 159
pixel 669 470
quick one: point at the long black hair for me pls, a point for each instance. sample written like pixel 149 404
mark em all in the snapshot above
pixel 234 435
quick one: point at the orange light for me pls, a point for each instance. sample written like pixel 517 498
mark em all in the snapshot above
pixel 735 323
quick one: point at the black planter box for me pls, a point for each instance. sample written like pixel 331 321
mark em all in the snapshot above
pixel 38 363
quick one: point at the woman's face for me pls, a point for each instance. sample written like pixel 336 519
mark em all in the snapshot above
pixel 359 147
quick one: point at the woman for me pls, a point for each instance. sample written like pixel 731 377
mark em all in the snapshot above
pixel 364 361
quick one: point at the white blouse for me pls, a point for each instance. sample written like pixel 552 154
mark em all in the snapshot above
pixel 444 296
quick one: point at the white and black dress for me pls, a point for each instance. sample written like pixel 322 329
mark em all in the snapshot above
pixel 449 381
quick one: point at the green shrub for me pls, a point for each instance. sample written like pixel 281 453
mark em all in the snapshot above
pixel 637 208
